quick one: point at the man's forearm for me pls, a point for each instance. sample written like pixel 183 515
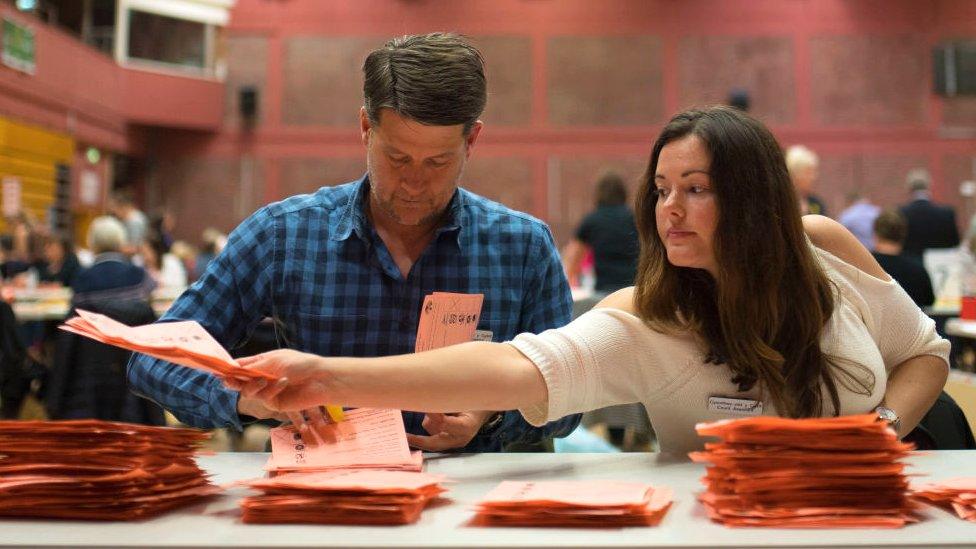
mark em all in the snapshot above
pixel 196 398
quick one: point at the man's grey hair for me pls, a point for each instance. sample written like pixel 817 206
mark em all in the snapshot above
pixel 437 79
pixel 918 179
pixel 106 234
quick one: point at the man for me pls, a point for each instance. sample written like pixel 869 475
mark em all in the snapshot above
pixel 908 271
pixel 930 225
pixel 345 269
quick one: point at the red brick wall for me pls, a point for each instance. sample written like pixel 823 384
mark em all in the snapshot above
pixel 578 87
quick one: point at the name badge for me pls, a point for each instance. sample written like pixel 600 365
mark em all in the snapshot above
pixel 735 406
pixel 482 335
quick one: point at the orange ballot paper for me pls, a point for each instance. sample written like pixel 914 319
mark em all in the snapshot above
pixel 186 343
pixel 599 503
pixel 447 319
pixel 958 494
pixel 342 497
pixel 368 438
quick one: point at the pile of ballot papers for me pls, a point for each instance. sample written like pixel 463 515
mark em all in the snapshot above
pixel 805 473
pixel 97 470
pixel 958 494
pixel 342 496
pixel 579 503
pixel 368 438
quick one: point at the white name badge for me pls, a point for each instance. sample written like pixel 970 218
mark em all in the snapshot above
pixel 735 406
pixel 482 335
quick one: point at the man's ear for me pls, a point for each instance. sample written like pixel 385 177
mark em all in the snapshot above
pixel 364 125
pixel 473 136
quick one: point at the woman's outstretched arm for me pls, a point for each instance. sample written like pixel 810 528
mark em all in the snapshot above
pixel 469 376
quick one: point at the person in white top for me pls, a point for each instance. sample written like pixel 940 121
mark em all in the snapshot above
pixel 740 307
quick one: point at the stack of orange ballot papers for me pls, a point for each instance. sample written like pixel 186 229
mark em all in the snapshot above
pixel 342 497
pixel 97 470
pixel 368 438
pixel 805 473
pixel 958 494
pixel 186 343
pixel 596 503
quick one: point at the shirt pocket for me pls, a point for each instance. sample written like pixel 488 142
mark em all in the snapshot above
pixel 345 335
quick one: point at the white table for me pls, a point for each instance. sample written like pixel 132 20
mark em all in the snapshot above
pixel 216 524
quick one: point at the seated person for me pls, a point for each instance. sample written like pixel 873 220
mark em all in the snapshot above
pixel 735 296
pixel 890 229
pixel 112 277
pixel 60 264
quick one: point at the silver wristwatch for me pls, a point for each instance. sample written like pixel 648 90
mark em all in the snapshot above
pixel 888 415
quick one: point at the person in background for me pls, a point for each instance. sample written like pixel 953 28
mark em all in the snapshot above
pixel 890 229
pixel 122 206
pixel 112 277
pixel 608 231
pixel 60 264
pixel 161 228
pixel 930 225
pixel 213 243
pixel 859 218
pixel 165 268
pixel 345 270
pixel 737 295
pixel 804 166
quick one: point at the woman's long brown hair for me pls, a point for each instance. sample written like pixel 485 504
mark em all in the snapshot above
pixel 764 314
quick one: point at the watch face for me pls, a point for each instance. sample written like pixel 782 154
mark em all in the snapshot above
pixel 887 414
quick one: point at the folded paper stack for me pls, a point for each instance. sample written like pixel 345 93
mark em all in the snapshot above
pixel 957 494
pixel 839 472
pixel 98 470
pixel 368 438
pixel 342 496
pixel 579 503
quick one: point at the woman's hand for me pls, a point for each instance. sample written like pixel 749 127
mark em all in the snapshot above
pixel 301 384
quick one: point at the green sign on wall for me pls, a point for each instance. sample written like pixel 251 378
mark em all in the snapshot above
pixel 18 46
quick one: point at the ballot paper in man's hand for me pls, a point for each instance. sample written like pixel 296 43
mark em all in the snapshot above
pixel 447 319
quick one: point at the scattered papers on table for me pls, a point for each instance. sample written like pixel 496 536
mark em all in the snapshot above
pixel 840 472
pixel 342 497
pixel 957 494
pixel 368 438
pixel 97 470
pixel 596 503
pixel 447 319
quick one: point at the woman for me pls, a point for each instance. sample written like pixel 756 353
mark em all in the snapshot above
pixel 735 298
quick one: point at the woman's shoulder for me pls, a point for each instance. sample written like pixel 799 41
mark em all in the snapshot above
pixel 622 300
pixel 833 238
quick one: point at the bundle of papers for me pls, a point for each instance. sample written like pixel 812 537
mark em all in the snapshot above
pixel 97 470
pixel 596 503
pixel 958 494
pixel 342 497
pixel 186 343
pixel 368 438
pixel 805 473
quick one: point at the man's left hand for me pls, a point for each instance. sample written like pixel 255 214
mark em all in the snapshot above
pixel 449 431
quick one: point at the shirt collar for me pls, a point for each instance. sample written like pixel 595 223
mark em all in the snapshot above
pixel 354 218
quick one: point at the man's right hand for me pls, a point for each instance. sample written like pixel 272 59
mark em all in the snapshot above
pixel 255 408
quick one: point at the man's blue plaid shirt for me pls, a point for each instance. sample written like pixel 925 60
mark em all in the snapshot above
pixel 316 265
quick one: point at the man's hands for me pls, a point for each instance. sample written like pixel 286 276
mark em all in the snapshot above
pixel 449 431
